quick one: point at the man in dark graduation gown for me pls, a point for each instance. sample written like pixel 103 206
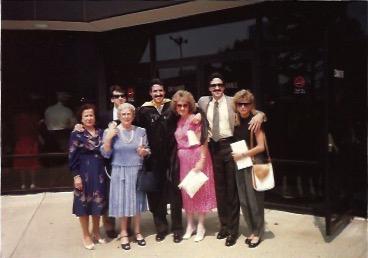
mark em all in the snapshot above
pixel 160 123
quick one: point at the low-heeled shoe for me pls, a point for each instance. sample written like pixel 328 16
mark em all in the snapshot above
pixel 222 235
pixel 253 245
pixel 160 236
pixel 230 240
pixel 177 237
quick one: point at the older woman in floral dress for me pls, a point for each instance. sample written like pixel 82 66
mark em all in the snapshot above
pixel 87 166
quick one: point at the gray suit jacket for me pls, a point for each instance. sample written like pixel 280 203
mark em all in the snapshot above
pixel 204 101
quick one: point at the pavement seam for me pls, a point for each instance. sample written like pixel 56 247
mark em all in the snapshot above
pixel 28 224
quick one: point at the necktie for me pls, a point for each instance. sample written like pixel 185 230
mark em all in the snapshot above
pixel 216 122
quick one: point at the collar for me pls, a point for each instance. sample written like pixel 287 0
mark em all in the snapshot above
pixel 220 100
pixel 153 104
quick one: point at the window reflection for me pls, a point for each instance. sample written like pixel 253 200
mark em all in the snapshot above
pixel 205 41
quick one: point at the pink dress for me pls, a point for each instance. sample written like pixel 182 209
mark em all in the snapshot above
pixel 205 199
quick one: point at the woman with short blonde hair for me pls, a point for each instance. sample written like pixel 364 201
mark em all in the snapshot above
pixel 251 201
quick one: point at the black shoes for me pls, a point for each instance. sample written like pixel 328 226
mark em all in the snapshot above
pixel 140 242
pixel 230 240
pixel 160 236
pixel 247 240
pixel 253 245
pixel 126 246
pixel 222 235
pixel 177 237
pixel 111 233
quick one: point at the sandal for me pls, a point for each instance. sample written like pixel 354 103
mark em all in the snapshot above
pixel 126 246
pixel 141 242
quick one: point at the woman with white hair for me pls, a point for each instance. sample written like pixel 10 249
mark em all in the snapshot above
pixel 127 146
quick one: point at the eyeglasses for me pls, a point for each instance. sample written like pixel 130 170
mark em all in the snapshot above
pixel 116 96
pixel 216 84
pixel 245 104
pixel 182 105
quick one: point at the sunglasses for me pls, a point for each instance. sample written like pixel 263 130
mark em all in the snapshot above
pixel 245 104
pixel 182 105
pixel 116 96
pixel 216 84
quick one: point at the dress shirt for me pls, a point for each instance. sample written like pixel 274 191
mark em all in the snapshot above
pixel 225 130
pixel 115 114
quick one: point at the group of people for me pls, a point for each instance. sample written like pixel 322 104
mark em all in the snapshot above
pixel 157 136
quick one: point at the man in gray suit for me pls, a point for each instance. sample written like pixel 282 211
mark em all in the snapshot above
pixel 221 117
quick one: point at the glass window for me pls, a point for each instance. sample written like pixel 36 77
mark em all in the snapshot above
pixel 179 78
pixel 205 41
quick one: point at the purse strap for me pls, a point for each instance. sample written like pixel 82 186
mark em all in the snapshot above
pixel 265 144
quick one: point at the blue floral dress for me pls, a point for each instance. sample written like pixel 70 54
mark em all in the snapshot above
pixel 86 161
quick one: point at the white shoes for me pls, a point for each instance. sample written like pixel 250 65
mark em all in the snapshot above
pixel 188 233
pixel 99 241
pixel 89 246
pixel 200 235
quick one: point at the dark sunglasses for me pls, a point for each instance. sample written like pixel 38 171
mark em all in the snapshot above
pixel 116 96
pixel 182 105
pixel 216 84
pixel 245 104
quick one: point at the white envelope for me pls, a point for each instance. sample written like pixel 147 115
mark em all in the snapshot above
pixel 192 138
pixel 192 182
pixel 240 147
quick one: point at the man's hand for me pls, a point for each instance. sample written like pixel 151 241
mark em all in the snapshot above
pixel 256 122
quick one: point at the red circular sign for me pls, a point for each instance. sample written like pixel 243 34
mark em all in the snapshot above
pixel 299 82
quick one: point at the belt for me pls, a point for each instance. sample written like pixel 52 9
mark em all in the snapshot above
pixel 223 140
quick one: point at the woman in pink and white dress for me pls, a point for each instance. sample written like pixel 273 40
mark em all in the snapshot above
pixel 193 157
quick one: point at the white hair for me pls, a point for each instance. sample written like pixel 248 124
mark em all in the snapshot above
pixel 126 106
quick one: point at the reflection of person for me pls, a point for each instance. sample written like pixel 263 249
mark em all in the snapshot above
pixel 221 118
pixel 193 157
pixel 251 201
pixel 86 163
pixel 26 131
pixel 126 144
pixel 59 121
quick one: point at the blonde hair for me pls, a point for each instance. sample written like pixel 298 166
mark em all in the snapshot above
pixel 242 94
pixel 186 96
pixel 126 106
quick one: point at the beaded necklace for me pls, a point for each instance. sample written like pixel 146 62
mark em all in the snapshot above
pixel 127 139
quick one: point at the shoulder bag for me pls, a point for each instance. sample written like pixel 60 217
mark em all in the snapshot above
pixel 262 174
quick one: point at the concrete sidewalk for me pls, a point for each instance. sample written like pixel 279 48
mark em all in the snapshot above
pixel 42 226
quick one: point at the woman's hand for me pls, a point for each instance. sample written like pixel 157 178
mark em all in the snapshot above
pixel 238 155
pixel 256 122
pixel 111 130
pixel 78 128
pixel 78 183
pixel 198 166
pixel 143 151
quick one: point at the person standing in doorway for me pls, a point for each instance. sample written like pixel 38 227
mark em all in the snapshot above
pixel 221 118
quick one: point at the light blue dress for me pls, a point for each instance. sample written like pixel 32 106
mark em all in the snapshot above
pixel 125 200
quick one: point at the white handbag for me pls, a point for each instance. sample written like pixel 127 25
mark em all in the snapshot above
pixel 262 174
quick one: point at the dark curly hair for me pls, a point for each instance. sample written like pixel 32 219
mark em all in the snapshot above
pixel 85 107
